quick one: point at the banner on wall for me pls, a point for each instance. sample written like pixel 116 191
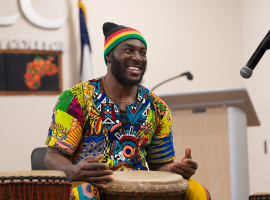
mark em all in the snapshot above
pixel 87 71
pixel 27 72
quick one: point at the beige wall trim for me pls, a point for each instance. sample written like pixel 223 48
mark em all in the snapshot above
pixel 236 97
pixel 208 104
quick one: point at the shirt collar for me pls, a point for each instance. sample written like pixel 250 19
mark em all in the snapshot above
pixel 139 93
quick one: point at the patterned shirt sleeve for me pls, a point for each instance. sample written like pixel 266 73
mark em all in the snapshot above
pixel 65 131
pixel 161 149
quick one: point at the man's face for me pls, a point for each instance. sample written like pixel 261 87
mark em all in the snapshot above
pixel 128 62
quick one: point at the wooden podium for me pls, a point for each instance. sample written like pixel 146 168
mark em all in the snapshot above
pixel 214 124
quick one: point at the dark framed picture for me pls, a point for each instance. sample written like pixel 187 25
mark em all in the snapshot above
pixel 27 72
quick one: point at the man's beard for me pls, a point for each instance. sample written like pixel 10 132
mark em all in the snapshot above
pixel 119 72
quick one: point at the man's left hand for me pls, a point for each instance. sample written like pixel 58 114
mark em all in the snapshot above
pixel 187 167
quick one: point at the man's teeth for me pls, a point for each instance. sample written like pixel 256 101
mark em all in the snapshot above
pixel 134 68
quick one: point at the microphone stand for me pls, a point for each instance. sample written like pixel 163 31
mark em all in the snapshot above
pixel 188 74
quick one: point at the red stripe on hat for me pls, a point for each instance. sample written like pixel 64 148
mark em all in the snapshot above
pixel 118 32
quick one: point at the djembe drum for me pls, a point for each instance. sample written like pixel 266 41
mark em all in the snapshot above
pixel 34 185
pixel 260 196
pixel 150 185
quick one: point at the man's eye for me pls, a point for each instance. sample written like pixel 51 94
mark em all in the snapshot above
pixel 143 53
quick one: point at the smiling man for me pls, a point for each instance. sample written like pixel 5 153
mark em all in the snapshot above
pixel 113 123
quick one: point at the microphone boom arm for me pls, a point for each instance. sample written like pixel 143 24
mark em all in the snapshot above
pixel 188 74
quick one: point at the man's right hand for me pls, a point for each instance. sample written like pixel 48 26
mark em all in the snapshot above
pixel 89 170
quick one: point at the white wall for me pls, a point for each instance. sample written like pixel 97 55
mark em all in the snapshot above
pixel 255 25
pixel 203 37
pixel 197 36
pixel 24 120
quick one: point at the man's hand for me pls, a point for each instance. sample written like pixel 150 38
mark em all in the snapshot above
pixel 89 170
pixel 86 170
pixel 187 167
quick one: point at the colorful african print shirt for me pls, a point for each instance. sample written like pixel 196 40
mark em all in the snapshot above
pixel 86 122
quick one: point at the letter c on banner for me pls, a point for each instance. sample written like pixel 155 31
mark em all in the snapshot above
pixel 34 18
pixel 8 20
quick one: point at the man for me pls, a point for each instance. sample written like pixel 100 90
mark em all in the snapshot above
pixel 113 123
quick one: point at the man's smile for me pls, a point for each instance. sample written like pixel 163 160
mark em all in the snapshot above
pixel 134 68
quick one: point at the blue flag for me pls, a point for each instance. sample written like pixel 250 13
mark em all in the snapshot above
pixel 87 69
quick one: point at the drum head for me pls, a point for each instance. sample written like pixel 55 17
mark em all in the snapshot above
pixel 146 182
pixel 33 173
pixel 260 196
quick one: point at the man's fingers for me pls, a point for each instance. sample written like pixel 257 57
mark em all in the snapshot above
pixel 184 167
pixel 92 159
pixel 101 186
pixel 182 172
pixel 94 166
pixel 191 163
pixel 188 153
pixel 96 173
pixel 100 179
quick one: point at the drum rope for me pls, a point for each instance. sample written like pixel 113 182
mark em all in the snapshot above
pixel 53 190
pixel 59 191
pixel 46 193
pixel 24 192
pixel 66 193
pixel 1 191
pixel 31 194
pixel 20 191
pixel 33 190
pixel 39 192
pixel 29 191
pixel 69 189
pixel 41 186
pixel 14 191
pixel 11 196
pixel 11 187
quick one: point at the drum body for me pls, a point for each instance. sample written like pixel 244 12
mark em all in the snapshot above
pixel 260 196
pixel 34 185
pixel 150 185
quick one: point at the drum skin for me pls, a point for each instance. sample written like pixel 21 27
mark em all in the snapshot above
pixel 149 185
pixel 34 185
pixel 260 196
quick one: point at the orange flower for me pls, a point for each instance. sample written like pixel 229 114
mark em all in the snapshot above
pixel 41 62
pixel 52 58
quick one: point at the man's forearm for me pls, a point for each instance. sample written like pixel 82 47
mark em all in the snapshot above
pixel 56 160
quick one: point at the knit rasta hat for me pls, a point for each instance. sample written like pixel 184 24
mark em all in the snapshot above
pixel 115 34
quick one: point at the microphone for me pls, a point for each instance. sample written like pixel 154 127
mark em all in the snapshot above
pixel 187 74
pixel 246 71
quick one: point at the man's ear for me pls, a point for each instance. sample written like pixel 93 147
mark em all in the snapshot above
pixel 108 56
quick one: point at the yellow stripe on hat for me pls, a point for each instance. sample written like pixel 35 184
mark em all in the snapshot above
pixel 120 35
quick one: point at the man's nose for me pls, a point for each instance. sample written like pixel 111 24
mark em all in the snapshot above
pixel 136 56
